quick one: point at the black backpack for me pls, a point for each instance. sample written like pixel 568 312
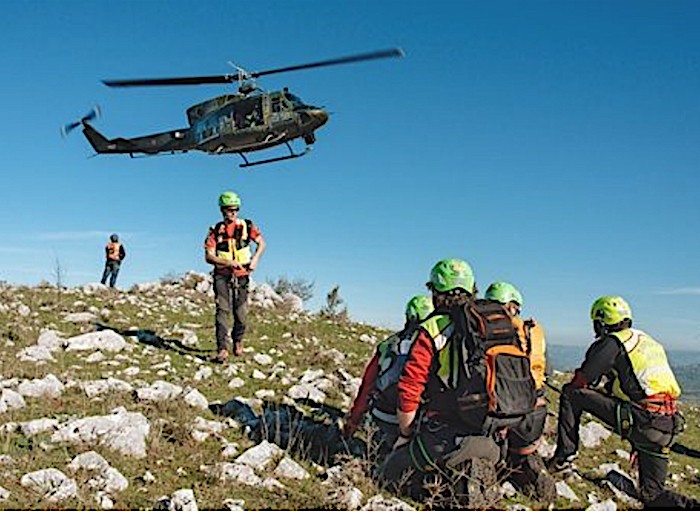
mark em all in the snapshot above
pixel 493 360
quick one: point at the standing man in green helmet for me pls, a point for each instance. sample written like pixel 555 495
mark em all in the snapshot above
pixel 640 403
pixel 523 440
pixel 228 248
pixel 377 392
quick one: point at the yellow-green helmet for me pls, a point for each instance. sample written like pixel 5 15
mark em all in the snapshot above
pixel 611 310
pixel 450 274
pixel 418 308
pixel 504 293
pixel 229 198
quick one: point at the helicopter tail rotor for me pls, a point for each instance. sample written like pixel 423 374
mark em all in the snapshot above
pixel 93 114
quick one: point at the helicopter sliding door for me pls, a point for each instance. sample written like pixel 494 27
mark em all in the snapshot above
pixel 248 113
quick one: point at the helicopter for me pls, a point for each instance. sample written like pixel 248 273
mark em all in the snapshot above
pixel 246 121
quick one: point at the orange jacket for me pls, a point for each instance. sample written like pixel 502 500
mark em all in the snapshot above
pixel 533 343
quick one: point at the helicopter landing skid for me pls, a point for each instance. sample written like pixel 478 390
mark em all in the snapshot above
pixel 290 156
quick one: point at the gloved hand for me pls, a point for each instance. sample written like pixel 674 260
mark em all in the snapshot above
pixel 349 427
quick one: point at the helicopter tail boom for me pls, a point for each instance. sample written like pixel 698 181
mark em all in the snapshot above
pixel 171 141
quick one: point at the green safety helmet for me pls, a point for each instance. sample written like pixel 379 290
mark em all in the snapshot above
pixel 504 293
pixel 229 198
pixel 450 274
pixel 418 308
pixel 611 310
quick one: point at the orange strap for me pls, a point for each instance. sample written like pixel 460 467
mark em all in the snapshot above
pixel 660 403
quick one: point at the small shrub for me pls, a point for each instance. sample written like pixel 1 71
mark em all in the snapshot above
pixel 300 287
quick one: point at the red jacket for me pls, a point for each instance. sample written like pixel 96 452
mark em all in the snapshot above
pixel 416 372
pixel 364 394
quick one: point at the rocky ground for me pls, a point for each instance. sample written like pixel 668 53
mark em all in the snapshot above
pixel 109 399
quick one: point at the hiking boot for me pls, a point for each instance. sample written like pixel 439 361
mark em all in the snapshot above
pixel 530 476
pixel 238 348
pixel 222 357
pixel 564 467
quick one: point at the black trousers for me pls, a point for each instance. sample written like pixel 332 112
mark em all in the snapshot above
pixel 231 301
pixel 653 467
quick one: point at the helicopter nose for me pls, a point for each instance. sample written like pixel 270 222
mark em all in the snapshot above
pixel 319 115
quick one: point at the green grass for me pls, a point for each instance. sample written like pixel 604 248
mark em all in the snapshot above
pixel 174 457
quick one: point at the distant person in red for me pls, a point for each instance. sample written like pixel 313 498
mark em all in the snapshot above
pixel 114 255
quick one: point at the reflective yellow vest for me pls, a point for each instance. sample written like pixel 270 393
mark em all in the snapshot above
pixel 649 364
pixel 113 251
pixel 440 328
pixel 236 248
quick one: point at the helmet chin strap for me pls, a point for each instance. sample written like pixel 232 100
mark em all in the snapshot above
pixel 600 328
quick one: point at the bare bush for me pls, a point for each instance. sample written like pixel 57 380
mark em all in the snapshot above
pixel 302 288
pixel 334 306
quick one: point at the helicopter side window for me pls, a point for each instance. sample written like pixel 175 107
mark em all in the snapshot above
pixel 276 105
pixel 249 113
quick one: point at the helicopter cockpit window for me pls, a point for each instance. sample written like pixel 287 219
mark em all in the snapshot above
pixel 296 100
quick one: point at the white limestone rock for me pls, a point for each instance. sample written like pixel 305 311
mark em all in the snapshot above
pixel 95 357
pixel 603 505
pixel 293 303
pixel 349 498
pixel 262 359
pixel 36 427
pixel 101 340
pixel 80 318
pixel 261 455
pixel 306 391
pixel 289 468
pixel 233 504
pixel 4 494
pixel 233 472
pixel 50 484
pixel 35 354
pixel 122 431
pixel 236 382
pixel 50 339
pixel 105 479
pixel 194 398
pixel 180 500
pixel 159 391
pixel 311 375
pixel 272 484
pixel 10 400
pixel 208 426
pixel 203 373
pixel 93 388
pixel 592 434
pixel 48 387
pixel 565 491
pixel 379 502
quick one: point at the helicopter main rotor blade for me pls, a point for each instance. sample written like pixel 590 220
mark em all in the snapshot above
pixel 230 78
pixel 381 54
pixel 192 80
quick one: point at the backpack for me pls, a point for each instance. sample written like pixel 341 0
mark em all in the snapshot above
pixel 393 353
pixel 493 356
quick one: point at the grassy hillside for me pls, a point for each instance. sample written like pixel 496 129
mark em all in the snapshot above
pixel 178 318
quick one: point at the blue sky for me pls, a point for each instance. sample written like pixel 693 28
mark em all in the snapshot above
pixel 553 144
